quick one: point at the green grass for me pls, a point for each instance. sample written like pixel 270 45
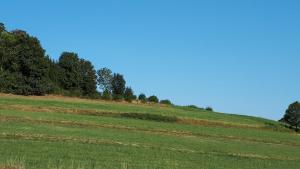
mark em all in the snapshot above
pixel 46 132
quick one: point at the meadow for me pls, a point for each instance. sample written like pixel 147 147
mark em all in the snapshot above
pixel 72 133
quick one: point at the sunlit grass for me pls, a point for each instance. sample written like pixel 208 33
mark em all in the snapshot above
pixel 53 133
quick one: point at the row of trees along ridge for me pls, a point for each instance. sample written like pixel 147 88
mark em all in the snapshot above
pixel 25 69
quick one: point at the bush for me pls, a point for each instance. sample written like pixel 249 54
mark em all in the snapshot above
pixel 193 106
pixel 153 99
pixel 128 94
pixel 209 109
pixel 142 98
pixel 167 102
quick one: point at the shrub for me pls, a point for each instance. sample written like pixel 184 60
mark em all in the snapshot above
pixel 193 106
pixel 167 102
pixel 142 98
pixel 153 99
pixel 209 109
pixel 128 94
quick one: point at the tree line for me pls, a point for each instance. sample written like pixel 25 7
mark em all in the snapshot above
pixel 25 69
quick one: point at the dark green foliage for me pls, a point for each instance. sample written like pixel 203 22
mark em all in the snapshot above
pixel 104 79
pixel 142 98
pixel 23 57
pixel 70 66
pixel 209 109
pixel 106 95
pixel 88 83
pixel 167 102
pixel 118 86
pixel 78 75
pixel 8 82
pixel 128 94
pixel 134 97
pixel 2 27
pixel 26 70
pixel 152 117
pixel 153 99
pixel 193 106
pixel 292 115
pixel 55 75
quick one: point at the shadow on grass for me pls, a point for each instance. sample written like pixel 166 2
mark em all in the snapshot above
pixel 152 117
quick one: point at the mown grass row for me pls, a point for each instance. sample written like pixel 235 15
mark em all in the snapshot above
pixel 64 155
pixel 207 131
pixel 183 112
pixel 141 116
pixel 161 131
pixel 67 135
pixel 152 139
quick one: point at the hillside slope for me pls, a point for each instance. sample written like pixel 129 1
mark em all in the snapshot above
pixel 59 132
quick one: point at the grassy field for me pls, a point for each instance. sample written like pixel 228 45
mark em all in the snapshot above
pixel 69 133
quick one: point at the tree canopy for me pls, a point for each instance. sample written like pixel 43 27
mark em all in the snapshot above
pixel 129 95
pixel 292 115
pixel 142 98
pixel 153 99
pixel 104 79
pixel 118 86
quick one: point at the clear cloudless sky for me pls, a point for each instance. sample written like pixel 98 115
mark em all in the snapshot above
pixel 238 56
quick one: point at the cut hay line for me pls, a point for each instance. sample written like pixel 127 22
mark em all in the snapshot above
pixel 134 129
pixel 141 116
pixel 48 138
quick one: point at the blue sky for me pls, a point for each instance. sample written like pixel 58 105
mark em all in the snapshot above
pixel 237 56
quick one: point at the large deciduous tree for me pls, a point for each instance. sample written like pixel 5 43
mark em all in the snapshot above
pixel 118 86
pixel 71 70
pixel 89 79
pixel 23 58
pixel 104 79
pixel 292 115
pixel 78 75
